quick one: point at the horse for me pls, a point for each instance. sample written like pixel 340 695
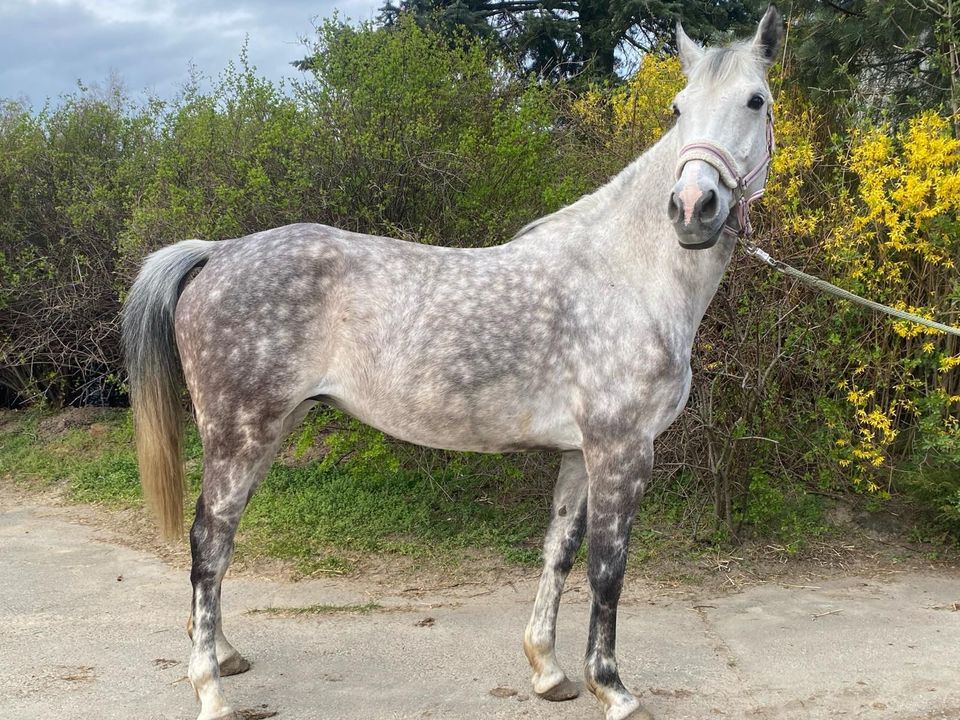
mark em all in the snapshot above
pixel 576 336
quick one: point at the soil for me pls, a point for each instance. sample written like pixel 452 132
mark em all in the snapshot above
pixel 93 622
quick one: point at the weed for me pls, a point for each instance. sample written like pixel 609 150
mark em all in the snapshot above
pixel 321 609
pixel 785 513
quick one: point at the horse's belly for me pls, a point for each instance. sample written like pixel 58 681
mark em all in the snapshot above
pixel 462 423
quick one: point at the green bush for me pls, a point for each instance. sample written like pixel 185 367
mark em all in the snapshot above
pixel 400 131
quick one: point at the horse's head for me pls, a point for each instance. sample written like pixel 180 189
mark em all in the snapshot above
pixel 725 132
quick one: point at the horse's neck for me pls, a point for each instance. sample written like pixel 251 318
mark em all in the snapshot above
pixel 629 215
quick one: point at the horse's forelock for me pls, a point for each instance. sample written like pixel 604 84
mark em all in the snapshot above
pixel 721 64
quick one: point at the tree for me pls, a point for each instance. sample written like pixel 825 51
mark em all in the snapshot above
pixel 561 38
pixel 896 55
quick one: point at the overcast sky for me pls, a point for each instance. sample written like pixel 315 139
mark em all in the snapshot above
pixel 46 46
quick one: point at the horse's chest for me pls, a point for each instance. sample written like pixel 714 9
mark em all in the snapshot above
pixel 650 383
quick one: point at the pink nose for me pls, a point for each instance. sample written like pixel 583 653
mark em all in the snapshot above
pixel 694 205
pixel 698 207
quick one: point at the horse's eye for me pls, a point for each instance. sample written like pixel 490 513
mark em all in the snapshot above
pixel 676 110
pixel 756 102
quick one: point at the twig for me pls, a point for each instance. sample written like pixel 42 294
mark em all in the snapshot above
pixel 829 612
pixel 952 607
pixel 441 587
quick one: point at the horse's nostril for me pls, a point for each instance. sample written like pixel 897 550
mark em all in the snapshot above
pixel 708 208
pixel 673 208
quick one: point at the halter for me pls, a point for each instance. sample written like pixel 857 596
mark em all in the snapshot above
pixel 722 161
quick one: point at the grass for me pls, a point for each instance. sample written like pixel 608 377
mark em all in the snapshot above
pixel 299 512
pixel 91 458
pixel 94 462
pixel 361 494
pixel 351 609
pixel 365 496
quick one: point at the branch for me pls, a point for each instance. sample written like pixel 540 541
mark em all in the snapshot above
pixel 508 6
pixel 844 10
pixel 910 57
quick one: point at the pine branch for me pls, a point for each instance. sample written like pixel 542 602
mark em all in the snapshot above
pixel 844 10
pixel 509 6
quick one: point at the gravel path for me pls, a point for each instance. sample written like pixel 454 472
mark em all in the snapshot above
pixel 92 629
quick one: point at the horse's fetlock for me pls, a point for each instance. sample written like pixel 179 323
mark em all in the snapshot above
pixel 534 650
pixel 600 671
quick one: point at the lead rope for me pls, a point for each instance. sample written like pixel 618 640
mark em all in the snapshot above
pixel 815 282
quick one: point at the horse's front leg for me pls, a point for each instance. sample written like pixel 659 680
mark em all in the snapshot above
pixel 618 475
pixel 567 524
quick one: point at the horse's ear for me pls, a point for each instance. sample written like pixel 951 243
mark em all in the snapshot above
pixel 690 52
pixel 769 34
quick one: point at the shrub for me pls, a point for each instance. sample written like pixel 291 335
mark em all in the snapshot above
pixel 400 131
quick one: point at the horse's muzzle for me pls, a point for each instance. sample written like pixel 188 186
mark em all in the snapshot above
pixel 698 206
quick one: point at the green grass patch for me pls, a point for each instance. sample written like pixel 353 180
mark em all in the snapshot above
pixel 321 609
pixel 92 456
pixel 365 495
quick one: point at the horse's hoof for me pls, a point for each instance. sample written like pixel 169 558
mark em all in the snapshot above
pixel 226 714
pixel 639 713
pixel 234 665
pixel 566 689
pixel 254 714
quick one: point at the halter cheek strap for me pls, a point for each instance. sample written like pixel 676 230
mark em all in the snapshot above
pixel 722 161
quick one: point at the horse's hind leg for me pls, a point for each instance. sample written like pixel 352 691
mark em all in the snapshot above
pixel 559 549
pixel 229 660
pixel 227 484
pixel 235 461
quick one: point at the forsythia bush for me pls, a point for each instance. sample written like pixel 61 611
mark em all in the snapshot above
pixel 642 106
pixel 896 238
pixel 634 115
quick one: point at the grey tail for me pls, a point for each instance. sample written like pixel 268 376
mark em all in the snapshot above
pixel 150 348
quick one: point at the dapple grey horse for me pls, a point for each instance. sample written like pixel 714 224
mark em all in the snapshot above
pixel 576 335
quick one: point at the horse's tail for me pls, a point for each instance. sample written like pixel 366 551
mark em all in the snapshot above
pixel 150 347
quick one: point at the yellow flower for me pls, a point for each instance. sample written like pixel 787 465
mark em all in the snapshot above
pixel 949 362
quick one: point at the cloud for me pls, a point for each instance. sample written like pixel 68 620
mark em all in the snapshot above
pixel 46 46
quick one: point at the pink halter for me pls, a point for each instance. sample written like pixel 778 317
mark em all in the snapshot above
pixel 722 161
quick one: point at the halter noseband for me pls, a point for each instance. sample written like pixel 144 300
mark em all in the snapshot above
pixel 722 161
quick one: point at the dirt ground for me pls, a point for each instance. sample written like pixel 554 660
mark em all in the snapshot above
pixel 92 622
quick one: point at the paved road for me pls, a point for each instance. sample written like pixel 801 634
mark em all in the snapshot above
pixel 78 642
